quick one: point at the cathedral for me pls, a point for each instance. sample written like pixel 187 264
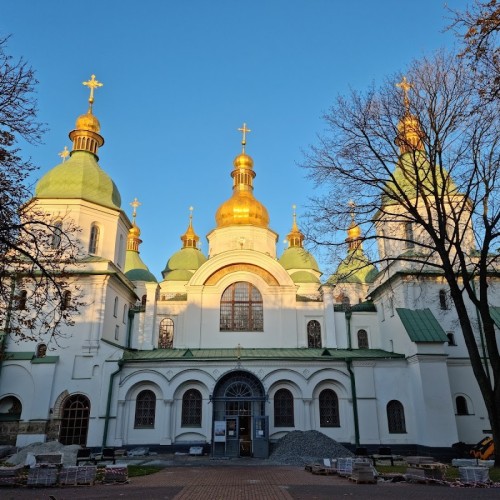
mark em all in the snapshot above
pixel 234 349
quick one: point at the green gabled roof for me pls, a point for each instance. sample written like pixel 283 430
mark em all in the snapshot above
pixel 495 315
pixel 242 353
pixel 421 325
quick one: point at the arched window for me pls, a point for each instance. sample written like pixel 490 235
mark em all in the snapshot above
pixel 241 308
pixel 94 239
pixel 166 336
pixel 396 417
pixel 191 408
pixel 21 300
pixel 443 299
pixel 145 410
pixel 391 306
pixel 144 299
pixel 410 239
pixel 120 251
pixel 75 420
pixel 125 309
pixel 283 408
pixel 328 409
pixel 461 403
pixel 56 235
pixel 362 339
pixel 41 350
pixel 10 408
pixel 115 307
pixel 313 334
pixel 66 300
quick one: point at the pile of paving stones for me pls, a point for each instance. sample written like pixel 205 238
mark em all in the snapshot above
pixel 302 448
pixel 68 452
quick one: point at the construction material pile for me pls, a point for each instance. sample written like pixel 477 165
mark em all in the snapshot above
pixel 301 448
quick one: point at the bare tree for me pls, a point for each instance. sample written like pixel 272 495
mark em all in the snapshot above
pixel 37 251
pixel 479 27
pixel 422 154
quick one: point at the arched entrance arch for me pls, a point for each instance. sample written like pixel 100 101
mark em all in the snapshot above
pixel 240 424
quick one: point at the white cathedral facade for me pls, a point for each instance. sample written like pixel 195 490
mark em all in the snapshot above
pixel 236 348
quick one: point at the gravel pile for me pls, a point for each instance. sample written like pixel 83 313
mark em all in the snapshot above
pixel 69 452
pixel 302 448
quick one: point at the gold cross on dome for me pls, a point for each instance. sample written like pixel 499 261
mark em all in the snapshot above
pixel 92 84
pixel 134 204
pixel 244 131
pixel 405 86
pixel 64 154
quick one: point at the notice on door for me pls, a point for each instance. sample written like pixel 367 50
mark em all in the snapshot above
pixel 220 431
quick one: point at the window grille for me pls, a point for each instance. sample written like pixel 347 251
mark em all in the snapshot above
pixel 362 339
pixel 396 417
pixel 66 300
pixel 56 235
pixel 328 409
pixel 241 308
pixel 443 300
pixel 313 334
pixel 75 420
pixel 145 410
pixel 283 408
pixel 21 300
pixel 191 408
pixel 94 239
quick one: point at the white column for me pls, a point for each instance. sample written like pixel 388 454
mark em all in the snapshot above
pixel 167 422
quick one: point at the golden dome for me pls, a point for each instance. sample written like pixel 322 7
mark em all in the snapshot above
pixel 243 161
pixel 89 122
pixel 242 208
pixel 190 238
pixel 134 231
pixel 133 240
pixel 354 231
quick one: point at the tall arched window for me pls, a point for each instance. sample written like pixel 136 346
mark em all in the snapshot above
pixel 461 403
pixel 283 408
pixel 94 239
pixel 443 299
pixel 56 235
pixel 41 350
pixel 191 408
pixel 145 410
pixel 66 300
pixel 362 339
pixel 410 239
pixel 166 335
pixel 241 308
pixel 328 409
pixel 125 310
pixel 115 307
pixel 313 334
pixel 75 420
pixel 144 299
pixel 121 248
pixel 396 417
pixel 21 300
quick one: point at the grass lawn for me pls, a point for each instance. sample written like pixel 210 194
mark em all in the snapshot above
pixel 142 470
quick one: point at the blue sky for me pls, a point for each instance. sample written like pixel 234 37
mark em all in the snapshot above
pixel 181 76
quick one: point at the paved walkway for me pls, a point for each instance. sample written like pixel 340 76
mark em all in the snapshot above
pixel 247 482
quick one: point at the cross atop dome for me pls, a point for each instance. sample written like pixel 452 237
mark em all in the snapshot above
pixel 244 131
pixel 92 84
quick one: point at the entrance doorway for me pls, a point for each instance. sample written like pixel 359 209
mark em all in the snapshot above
pixel 239 401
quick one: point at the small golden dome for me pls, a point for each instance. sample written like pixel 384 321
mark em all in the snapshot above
pixel 354 231
pixel 89 122
pixel 243 161
pixel 134 231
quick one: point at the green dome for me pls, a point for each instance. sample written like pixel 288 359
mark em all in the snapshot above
pixel 355 268
pixel 405 178
pixel 298 258
pixel 177 275
pixel 186 259
pixel 80 177
pixel 135 269
pixel 304 277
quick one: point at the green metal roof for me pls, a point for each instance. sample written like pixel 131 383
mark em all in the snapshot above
pixel 421 325
pixel 242 353
pixel 495 315
pixel 135 269
pixel 298 258
pixel 82 178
